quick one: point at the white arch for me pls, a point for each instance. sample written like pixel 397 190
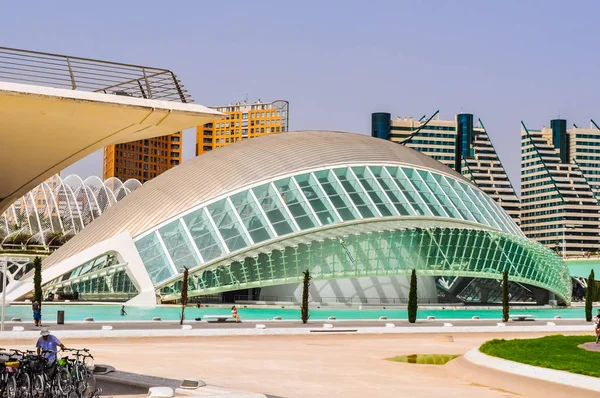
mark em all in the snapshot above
pixel 101 187
pixel 111 182
pixel 69 192
pixel 26 208
pixel 77 186
pixel 132 184
pixel 4 215
pixel 42 188
pixel 61 190
pixel 14 210
pixel 76 207
pixel 63 197
pixel 56 208
pixel 36 211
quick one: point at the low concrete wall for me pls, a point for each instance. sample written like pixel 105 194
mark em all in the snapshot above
pixel 521 379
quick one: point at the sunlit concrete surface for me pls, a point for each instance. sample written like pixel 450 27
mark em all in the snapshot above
pixel 302 366
pixel 43 130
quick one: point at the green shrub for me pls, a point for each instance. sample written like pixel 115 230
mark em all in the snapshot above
pixel 37 280
pixel 304 315
pixel 412 298
pixel 589 296
pixel 505 298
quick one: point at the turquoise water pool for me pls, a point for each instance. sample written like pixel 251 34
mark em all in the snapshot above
pixel 112 313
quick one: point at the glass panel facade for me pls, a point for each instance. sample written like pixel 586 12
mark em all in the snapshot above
pixel 336 195
pixel 392 193
pixel 296 204
pixel 356 192
pixel 316 199
pixel 205 237
pixel 179 246
pixel 272 205
pixel 154 258
pixel 447 252
pixel 375 192
pixel 311 200
pixel 251 216
pixel 228 225
pixel 101 277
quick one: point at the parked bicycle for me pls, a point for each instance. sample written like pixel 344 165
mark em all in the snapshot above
pixel 25 374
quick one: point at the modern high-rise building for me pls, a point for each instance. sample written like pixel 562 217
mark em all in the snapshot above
pixel 243 121
pixel 460 144
pixel 143 159
pixel 560 187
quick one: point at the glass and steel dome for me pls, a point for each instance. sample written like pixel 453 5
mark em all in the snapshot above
pixel 323 198
pixel 342 205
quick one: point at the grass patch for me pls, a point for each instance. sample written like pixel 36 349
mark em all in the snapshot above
pixel 553 352
pixel 424 359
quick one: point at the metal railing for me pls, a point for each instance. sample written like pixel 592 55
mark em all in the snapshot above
pixel 61 71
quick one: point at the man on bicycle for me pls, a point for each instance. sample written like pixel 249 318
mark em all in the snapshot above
pixel 597 322
pixel 48 344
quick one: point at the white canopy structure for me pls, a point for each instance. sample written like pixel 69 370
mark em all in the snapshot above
pixel 59 208
pixel 55 110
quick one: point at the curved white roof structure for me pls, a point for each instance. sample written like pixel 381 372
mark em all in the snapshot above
pixel 342 205
pixel 48 129
pixel 201 179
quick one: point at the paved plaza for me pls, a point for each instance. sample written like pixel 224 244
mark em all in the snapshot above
pixel 301 366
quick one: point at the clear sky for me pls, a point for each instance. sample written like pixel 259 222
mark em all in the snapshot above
pixel 337 61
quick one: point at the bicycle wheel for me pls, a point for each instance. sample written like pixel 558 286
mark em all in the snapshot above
pixel 90 384
pixel 64 382
pixel 38 385
pixel 2 386
pixel 11 387
pixel 24 385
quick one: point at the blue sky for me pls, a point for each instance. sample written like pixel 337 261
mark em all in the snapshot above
pixel 337 61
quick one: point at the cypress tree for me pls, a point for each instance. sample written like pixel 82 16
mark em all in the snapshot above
pixel 412 298
pixel 505 300
pixel 37 280
pixel 304 306
pixel 184 294
pixel 589 296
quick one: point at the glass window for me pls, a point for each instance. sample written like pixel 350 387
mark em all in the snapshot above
pixel 399 201
pixel 412 180
pixel 154 258
pixel 228 225
pixel 336 195
pixel 374 191
pixel 273 208
pixel 296 204
pixel 316 199
pixel 473 204
pixel 357 193
pixel 205 237
pixel 448 187
pixel 251 216
pixel 179 245
pixel 440 195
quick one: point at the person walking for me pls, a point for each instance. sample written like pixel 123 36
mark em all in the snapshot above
pixel 47 345
pixel 123 313
pixel 37 313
